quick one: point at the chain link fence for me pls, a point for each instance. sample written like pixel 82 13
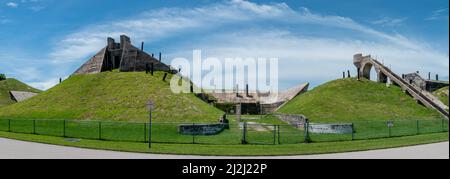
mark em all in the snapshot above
pixel 230 134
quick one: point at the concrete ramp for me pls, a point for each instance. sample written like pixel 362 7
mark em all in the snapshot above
pixel 364 65
pixel 20 96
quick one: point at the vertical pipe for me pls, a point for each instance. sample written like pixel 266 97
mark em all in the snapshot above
pixel 145 132
pixel 389 127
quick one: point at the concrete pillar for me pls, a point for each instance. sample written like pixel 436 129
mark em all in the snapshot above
pixel 246 91
pixel 359 73
pixel 437 77
pixel 348 74
pixel 111 43
pixel 124 41
pixel 429 75
pixel 160 56
pixel 142 46
pixel 343 74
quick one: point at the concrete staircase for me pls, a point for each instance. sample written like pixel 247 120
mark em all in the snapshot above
pixel 418 94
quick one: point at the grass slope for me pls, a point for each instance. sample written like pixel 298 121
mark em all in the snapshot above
pixel 12 84
pixel 113 96
pixel 351 100
pixel 442 94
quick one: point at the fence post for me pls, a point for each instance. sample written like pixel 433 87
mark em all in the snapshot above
pixel 34 126
pixel 99 130
pixel 418 127
pixel 274 134
pixel 389 128
pixel 353 131
pixel 64 128
pixel 193 133
pixel 278 127
pixel 306 126
pixel 244 133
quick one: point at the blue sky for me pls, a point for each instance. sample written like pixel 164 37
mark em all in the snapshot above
pixel 314 39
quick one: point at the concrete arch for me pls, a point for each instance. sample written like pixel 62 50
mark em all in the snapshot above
pixel 381 77
pixel 365 70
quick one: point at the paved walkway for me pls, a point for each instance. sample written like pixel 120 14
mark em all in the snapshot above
pixel 13 149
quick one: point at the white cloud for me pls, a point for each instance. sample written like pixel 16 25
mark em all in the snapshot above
pixel 438 14
pixel 390 22
pixel 12 4
pixel 44 85
pixel 314 57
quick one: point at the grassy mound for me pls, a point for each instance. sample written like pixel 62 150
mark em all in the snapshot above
pixel 442 94
pixel 113 96
pixel 353 100
pixel 11 84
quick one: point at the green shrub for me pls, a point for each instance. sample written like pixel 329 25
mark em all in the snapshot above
pixel 2 77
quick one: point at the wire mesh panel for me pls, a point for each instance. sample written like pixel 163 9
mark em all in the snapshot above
pixel 4 124
pixel 288 134
pixel 330 132
pixel 169 133
pixel 50 127
pixel 22 126
pixel 261 133
pixel 445 125
pixel 403 128
pixel 120 131
pixel 370 130
pixel 430 126
pixel 230 135
pixel 83 129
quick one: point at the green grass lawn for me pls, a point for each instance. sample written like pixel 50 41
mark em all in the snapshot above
pixel 11 84
pixel 238 150
pixel 442 94
pixel 114 96
pixel 350 100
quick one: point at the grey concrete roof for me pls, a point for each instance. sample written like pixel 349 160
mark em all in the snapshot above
pixel 21 95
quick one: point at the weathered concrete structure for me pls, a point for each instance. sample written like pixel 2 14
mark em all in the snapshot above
pixel 20 96
pixel 428 85
pixel 123 56
pixel 364 65
pixel 256 102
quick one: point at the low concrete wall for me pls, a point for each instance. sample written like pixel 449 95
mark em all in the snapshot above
pixel 330 128
pixel 201 129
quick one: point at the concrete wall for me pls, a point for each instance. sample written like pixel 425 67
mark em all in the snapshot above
pixel 201 129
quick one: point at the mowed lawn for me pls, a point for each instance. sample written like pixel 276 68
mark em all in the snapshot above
pixel 114 96
pixel 350 100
